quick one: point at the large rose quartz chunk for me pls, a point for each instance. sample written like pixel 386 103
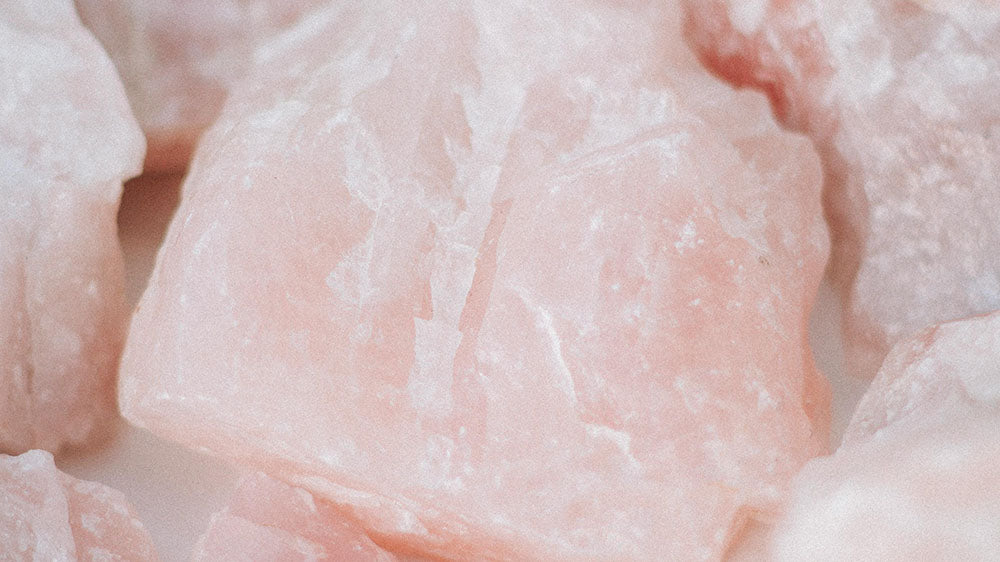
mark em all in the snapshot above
pixel 47 515
pixel 178 59
pixel 269 521
pixel 514 281
pixel 918 477
pixel 67 140
pixel 902 102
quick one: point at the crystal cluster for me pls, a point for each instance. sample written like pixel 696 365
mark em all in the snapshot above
pixel 503 280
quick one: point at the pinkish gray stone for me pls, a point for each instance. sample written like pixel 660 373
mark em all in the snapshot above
pixel 47 515
pixel 178 59
pixel 67 140
pixel 901 100
pixel 917 475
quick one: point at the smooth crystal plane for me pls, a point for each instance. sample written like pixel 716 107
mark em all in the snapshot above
pixel 67 141
pixel 901 100
pixel 502 281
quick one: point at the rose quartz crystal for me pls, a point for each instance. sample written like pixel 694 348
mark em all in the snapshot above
pixel 901 99
pixel 514 281
pixel 178 59
pixel 268 521
pixel 47 515
pixel 918 477
pixel 67 140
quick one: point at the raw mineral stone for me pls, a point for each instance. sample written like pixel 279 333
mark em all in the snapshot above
pixel 916 478
pixel 513 281
pixel 48 515
pixel 269 521
pixel 901 100
pixel 178 59
pixel 67 140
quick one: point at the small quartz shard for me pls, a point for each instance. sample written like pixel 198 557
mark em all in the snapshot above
pixel 505 281
pixel 901 100
pixel 48 515
pixel 178 59
pixel 67 141
pixel 269 521
pixel 916 477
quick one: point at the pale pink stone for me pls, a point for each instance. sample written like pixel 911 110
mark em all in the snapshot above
pixel 918 476
pixel 48 515
pixel 950 366
pixel 269 521
pixel 514 281
pixel 67 140
pixel 902 102
pixel 178 59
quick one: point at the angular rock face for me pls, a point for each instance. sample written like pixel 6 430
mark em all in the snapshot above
pixel 916 478
pixel 901 100
pixel 67 140
pixel 515 282
pixel 269 521
pixel 178 59
pixel 48 515
pixel 951 366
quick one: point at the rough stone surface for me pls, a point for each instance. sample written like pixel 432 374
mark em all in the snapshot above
pixel 951 366
pixel 269 521
pixel 514 281
pixel 67 140
pixel 917 476
pixel 901 99
pixel 48 515
pixel 178 59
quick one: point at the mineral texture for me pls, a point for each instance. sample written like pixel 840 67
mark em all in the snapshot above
pixel 178 59
pixel 916 478
pixel 512 280
pixel 268 521
pixel 47 515
pixel 901 100
pixel 67 140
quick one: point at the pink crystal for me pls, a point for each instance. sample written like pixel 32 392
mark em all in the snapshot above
pixel 67 139
pixel 269 521
pixel 517 282
pixel 902 102
pixel 178 59
pixel 47 515
pixel 916 478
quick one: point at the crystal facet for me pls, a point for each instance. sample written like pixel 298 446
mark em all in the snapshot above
pixel 178 59
pixel 48 515
pixel 512 281
pixel 67 140
pixel 901 100
pixel 916 477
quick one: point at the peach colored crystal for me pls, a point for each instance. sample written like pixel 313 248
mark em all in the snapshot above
pixel 902 102
pixel 514 281
pixel 47 515
pixel 268 521
pixel 67 139
pixel 178 59
pixel 916 478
